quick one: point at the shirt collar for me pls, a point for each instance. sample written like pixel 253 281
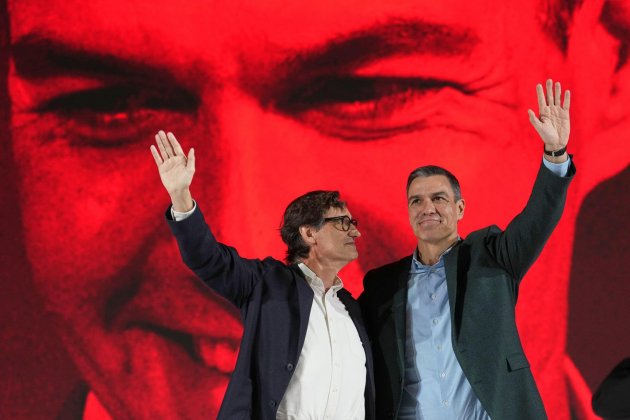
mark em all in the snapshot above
pixel 418 267
pixel 315 282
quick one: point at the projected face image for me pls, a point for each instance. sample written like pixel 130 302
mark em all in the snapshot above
pixel 278 98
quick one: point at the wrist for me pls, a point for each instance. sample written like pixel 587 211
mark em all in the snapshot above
pixel 182 201
pixel 555 155
pixel 555 152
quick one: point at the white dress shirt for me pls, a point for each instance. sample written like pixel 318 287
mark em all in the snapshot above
pixel 329 378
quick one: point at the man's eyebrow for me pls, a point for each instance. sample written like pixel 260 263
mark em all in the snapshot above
pixel 343 54
pixel 435 194
pixel 37 56
pixel 439 194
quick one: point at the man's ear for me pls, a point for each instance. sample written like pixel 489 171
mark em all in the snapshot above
pixel 308 234
pixel 599 56
pixel 461 206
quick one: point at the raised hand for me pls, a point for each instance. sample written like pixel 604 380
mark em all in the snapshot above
pixel 176 170
pixel 553 125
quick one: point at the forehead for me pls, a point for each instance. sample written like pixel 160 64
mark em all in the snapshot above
pixel 423 186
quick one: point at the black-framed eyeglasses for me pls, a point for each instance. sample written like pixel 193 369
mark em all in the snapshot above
pixel 342 222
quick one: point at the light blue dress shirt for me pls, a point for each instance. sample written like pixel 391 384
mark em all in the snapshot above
pixel 435 386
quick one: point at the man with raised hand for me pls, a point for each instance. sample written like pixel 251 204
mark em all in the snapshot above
pixel 304 353
pixel 442 321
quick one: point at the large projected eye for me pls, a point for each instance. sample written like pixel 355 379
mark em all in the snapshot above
pixel 365 108
pixel 119 114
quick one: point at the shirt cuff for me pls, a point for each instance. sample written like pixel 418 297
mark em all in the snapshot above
pixel 178 216
pixel 560 169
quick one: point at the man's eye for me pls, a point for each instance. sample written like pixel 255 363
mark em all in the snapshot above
pixel 364 108
pixel 116 115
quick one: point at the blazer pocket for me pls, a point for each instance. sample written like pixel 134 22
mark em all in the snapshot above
pixel 517 361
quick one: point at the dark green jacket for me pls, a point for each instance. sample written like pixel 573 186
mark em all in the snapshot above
pixel 483 273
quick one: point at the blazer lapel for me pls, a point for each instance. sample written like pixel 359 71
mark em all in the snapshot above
pixel 352 306
pixel 450 266
pixel 305 302
pixel 399 310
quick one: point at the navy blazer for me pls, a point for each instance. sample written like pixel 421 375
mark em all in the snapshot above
pixel 275 303
pixel 483 274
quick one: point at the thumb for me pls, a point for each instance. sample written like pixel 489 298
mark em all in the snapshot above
pixel 191 159
pixel 534 120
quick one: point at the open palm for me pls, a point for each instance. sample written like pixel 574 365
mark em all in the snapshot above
pixel 553 125
pixel 176 170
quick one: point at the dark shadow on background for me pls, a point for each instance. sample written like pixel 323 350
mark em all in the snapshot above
pixel 599 295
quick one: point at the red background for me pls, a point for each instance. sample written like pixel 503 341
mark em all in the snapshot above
pixel 583 317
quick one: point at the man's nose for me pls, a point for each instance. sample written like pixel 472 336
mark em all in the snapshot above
pixel 354 232
pixel 428 207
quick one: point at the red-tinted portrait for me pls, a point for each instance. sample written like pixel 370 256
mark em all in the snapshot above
pixel 278 98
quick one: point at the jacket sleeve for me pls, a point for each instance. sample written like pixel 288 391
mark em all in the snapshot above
pixel 217 265
pixel 517 247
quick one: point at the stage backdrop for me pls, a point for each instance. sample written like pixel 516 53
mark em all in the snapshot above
pixel 99 315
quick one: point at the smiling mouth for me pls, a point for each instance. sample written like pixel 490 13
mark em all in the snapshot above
pixel 421 222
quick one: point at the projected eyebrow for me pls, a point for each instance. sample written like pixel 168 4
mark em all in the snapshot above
pixel 341 56
pixel 386 40
pixel 37 57
pixel 96 99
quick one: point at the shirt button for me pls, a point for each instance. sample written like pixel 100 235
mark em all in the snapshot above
pixel 443 375
pixel 272 403
pixel 439 347
pixel 433 296
pixel 445 402
pixel 435 321
pixel 289 367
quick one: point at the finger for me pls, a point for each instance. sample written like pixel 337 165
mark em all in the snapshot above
pixel 533 119
pixel 175 144
pixel 556 94
pixel 567 100
pixel 167 144
pixel 549 92
pixel 541 97
pixel 160 143
pixel 156 156
pixel 191 159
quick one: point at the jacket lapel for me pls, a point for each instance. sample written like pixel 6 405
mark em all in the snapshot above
pixel 352 306
pixel 305 302
pixel 399 309
pixel 450 266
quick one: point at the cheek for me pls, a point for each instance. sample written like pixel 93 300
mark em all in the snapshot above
pixel 84 209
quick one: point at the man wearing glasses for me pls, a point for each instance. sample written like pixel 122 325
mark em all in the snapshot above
pixel 304 351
